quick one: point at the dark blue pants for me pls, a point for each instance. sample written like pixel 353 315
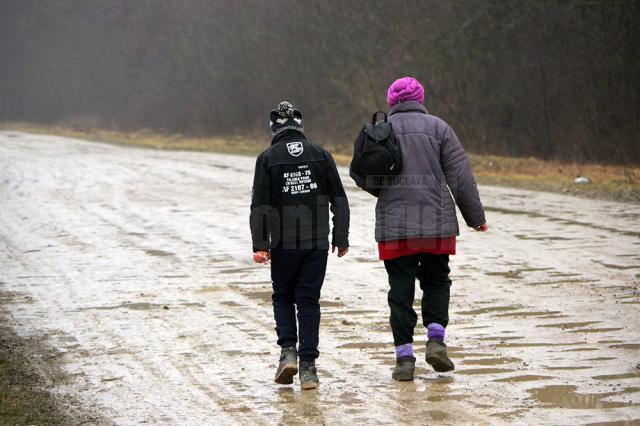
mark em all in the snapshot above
pixel 297 276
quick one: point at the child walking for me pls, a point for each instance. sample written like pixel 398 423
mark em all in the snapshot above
pixel 295 184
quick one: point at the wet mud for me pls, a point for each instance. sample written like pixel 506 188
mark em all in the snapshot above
pixel 138 273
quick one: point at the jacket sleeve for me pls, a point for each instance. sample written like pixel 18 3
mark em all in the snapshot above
pixel 339 204
pixel 460 179
pixel 260 207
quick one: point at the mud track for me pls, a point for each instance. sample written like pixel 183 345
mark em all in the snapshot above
pixel 134 265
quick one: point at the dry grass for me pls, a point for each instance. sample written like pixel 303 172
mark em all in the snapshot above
pixel 608 182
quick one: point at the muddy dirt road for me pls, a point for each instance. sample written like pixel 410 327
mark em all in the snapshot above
pixel 135 264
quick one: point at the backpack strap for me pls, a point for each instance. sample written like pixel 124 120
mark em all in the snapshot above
pixel 375 117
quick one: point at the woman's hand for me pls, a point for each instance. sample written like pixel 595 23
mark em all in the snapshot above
pixel 482 228
pixel 341 250
pixel 262 257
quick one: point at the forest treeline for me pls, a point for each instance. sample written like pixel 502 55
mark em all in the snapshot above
pixel 551 79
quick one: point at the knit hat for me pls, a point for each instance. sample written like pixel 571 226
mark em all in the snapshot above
pixel 284 117
pixel 405 89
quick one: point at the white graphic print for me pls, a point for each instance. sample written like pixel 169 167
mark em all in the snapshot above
pixel 295 148
pixel 300 182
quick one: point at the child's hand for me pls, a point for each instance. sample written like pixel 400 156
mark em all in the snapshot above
pixel 262 257
pixel 482 228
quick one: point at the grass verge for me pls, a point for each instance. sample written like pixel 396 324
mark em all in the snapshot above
pixel 607 182
pixel 23 397
pixel 27 374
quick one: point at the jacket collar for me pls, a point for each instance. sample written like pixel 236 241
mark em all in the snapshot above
pixel 288 136
pixel 408 106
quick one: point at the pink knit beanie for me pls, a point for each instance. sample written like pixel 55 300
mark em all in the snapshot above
pixel 405 89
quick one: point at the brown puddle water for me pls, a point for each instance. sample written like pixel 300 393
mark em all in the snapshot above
pixel 564 396
pixel 476 371
pixel 568 325
pixel 629 375
pixel 142 306
pixel 523 378
pixel 366 345
pixel 596 330
pixel 159 253
pixel 489 309
pixel 626 346
pixel 491 361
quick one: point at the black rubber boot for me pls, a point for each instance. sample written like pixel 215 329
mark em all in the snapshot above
pixel 288 366
pixel 404 369
pixel 308 375
pixel 437 357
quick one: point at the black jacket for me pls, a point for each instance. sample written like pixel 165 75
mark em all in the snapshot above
pixel 294 183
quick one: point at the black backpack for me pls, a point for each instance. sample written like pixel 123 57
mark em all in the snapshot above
pixel 376 153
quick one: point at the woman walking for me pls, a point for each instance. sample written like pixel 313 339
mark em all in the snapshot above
pixel 416 224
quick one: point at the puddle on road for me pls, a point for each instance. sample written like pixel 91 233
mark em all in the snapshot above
pixel 238 270
pixel 330 304
pixel 564 396
pixel 572 281
pixel 617 267
pixel 528 314
pixel 142 306
pixel 356 312
pixel 568 325
pixel 489 309
pixel 509 274
pixel 447 397
pixel 501 338
pixel 596 330
pixel 160 253
pixel 568 367
pixel 633 346
pixel 264 296
pixel 460 354
pixel 580 350
pixel 562 221
pixel 621 376
pixel 563 274
pixel 491 361
pixel 545 238
pixel 366 345
pixel 438 416
pixel 479 371
pixel 534 344
pixel 366 259
pixel 523 378
pixel 511 211
pixel 211 289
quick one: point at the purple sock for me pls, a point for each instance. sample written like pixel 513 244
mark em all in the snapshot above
pixel 435 331
pixel 404 350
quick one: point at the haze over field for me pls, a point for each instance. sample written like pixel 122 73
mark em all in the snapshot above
pixel 552 79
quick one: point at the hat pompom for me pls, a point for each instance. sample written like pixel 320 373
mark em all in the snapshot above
pixel 284 117
pixel 285 109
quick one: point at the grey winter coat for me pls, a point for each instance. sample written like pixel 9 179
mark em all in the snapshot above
pixel 418 202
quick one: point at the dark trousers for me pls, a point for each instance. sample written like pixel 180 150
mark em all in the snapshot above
pixel 297 276
pixel 433 273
